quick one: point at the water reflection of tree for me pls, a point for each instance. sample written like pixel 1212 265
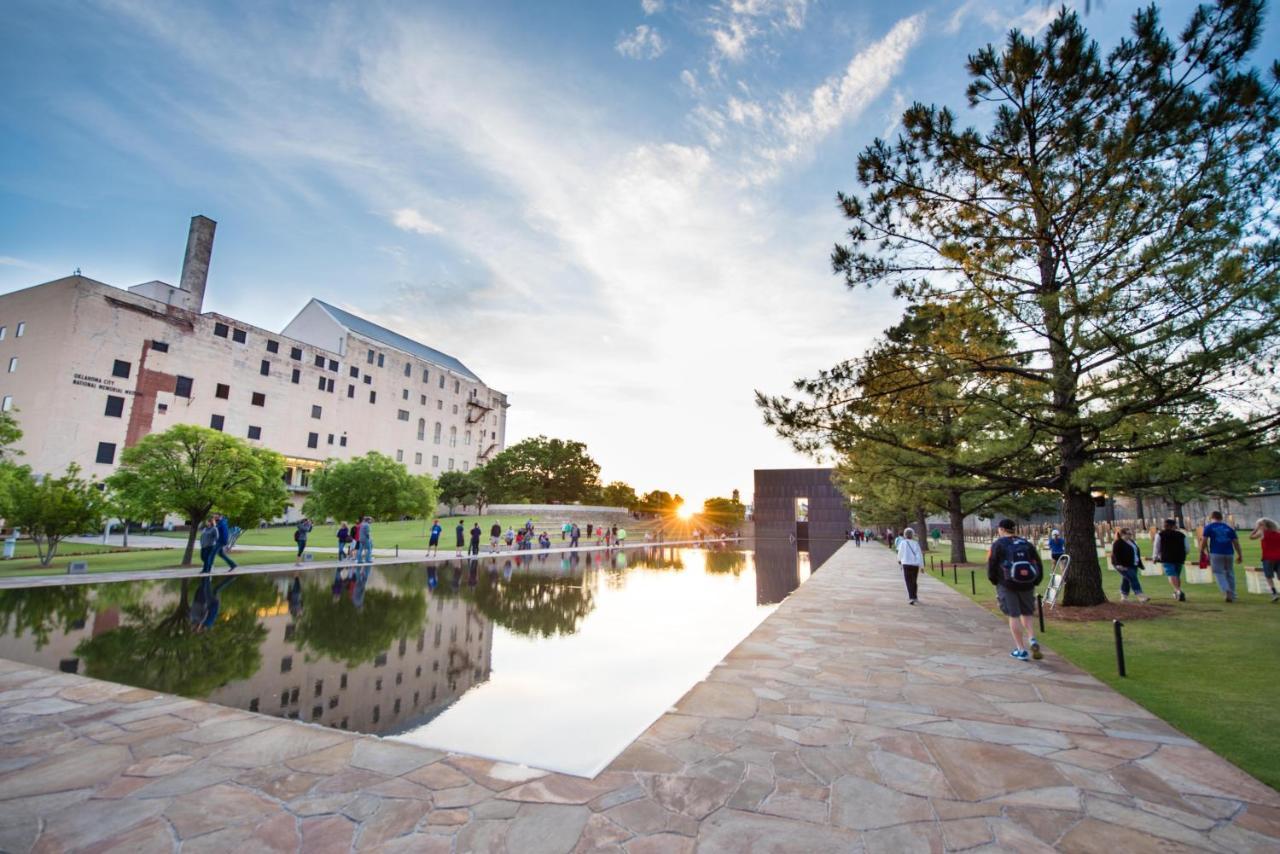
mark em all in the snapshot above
pixel 726 561
pixel 533 604
pixel 161 649
pixel 339 630
pixel 42 610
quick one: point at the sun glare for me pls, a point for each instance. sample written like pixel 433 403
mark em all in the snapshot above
pixel 684 511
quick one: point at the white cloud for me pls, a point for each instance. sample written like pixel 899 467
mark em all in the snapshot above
pixel 408 219
pixel 690 80
pixel 735 24
pixel 745 112
pixel 652 7
pixel 1031 18
pixel 644 42
pixel 10 261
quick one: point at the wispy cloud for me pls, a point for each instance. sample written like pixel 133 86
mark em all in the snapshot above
pixel 408 219
pixel 1031 19
pixel 735 24
pixel 10 261
pixel 652 7
pixel 644 42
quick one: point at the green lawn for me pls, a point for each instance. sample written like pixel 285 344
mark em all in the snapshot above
pixel 1251 549
pixel 129 560
pixel 1209 668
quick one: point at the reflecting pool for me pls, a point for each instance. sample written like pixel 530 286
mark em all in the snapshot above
pixel 557 662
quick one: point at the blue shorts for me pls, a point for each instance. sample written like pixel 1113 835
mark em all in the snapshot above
pixel 1173 570
pixel 1271 569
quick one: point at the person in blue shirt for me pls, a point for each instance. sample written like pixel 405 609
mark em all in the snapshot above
pixel 433 545
pixel 1220 544
pixel 224 537
pixel 1057 545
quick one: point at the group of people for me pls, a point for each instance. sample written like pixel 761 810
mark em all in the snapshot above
pixel 354 541
pixel 521 539
pixel 215 539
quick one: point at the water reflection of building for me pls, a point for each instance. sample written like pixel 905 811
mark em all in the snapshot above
pixel 780 568
pixel 418 675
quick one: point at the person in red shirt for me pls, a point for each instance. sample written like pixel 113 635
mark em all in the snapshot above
pixel 1269 532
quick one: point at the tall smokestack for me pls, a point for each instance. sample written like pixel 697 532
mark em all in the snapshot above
pixel 195 266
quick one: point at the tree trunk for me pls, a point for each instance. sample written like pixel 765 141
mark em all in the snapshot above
pixel 1083 585
pixel 923 534
pixel 191 544
pixel 1178 514
pixel 955 511
pixel 126 534
pixel 1142 516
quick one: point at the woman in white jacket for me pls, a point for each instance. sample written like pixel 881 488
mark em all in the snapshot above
pixel 912 558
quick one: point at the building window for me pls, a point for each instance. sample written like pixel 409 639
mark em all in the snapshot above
pixel 453 437
pixel 182 387
pixel 238 336
pixel 115 406
pixel 160 346
pixel 402 414
pixel 333 364
pixel 408 369
pixel 442 381
pixel 286 664
pixel 258 399
pixel 373 397
pixel 455 409
pixel 315 411
pixel 295 353
pixel 417 458
pixel 222 390
pixel 265 368
pixel 369 360
pixel 328 386
pixel 7 404
pixel 3 329
pixel 422 429
pixel 399 455
pixel 330 438
pixel 13 364
pixel 342 440
pixel 255 432
pixel 320 385
pixel 273 346
pixel 220 329
pixel 368 380
pixel 21 330
pixel 440 404
pixel 355 372
pixel 382 359
pixel 351 391
pixel 296 377
pixel 451 464
pixel 106 453
pixel 466 466
pixel 162 407
pixel 435 462
pixel 426 375
pixel 319 687
pixel 436 437
pixel 121 369
pixel 319 360
pixel 313 440
pixel 404 394
pixel 423 401
pixel 316 712
pixel 457 386
pixel 466 438
pixel 216 422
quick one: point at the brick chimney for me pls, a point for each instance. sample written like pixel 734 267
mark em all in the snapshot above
pixel 195 266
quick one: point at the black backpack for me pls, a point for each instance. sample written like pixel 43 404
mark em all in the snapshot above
pixel 1020 567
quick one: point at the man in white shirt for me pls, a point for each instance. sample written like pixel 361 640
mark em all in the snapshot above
pixel 911 556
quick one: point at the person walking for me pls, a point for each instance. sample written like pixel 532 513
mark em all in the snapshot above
pixel 621 537
pixel 208 544
pixel 495 536
pixel 365 552
pixel 1170 551
pixel 224 538
pixel 344 537
pixel 574 535
pixel 1269 532
pixel 1218 541
pixel 461 533
pixel 1057 545
pixel 1015 568
pixel 300 533
pixel 911 559
pixel 1127 560
pixel 510 536
pixel 857 537
pixel 433 544
pixel 475 539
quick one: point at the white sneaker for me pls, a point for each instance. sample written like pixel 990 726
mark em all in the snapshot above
pixel 1124 597
pixel 1143 599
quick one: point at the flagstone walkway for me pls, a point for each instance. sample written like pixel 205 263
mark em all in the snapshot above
pixel 848 721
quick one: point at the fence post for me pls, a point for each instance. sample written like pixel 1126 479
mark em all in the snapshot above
pixel 1040 611
pixel 397 550
pixel 973 584
pixel 955 574
pixel 1119 647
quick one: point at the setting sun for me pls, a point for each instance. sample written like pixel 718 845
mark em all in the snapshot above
pixel 684 511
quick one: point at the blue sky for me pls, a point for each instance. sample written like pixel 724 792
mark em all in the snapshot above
pixel 619 213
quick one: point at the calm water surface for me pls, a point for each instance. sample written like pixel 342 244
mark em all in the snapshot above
pixel 549 661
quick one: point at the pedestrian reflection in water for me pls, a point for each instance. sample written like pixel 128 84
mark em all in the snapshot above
pixel 432 579
pixel 295 598
pixel 357 594
pixel 203 613
pixel 473 572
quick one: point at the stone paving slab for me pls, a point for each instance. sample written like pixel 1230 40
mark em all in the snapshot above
pixel 848 721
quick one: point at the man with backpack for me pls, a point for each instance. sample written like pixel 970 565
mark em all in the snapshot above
pixel 1014 567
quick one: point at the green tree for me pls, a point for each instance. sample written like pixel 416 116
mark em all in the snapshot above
pixel 50 508
pixel 1117 216
pixel 619 494
pixel 478 492
pixel 194 471
pixel 132 506
pixel 42 610
pixel 534 605
pixel 542 471
pixel 659 501
pixel 723 512
pixel 160 648
pixel 373 485
pixel 337 629
pixel 455 488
